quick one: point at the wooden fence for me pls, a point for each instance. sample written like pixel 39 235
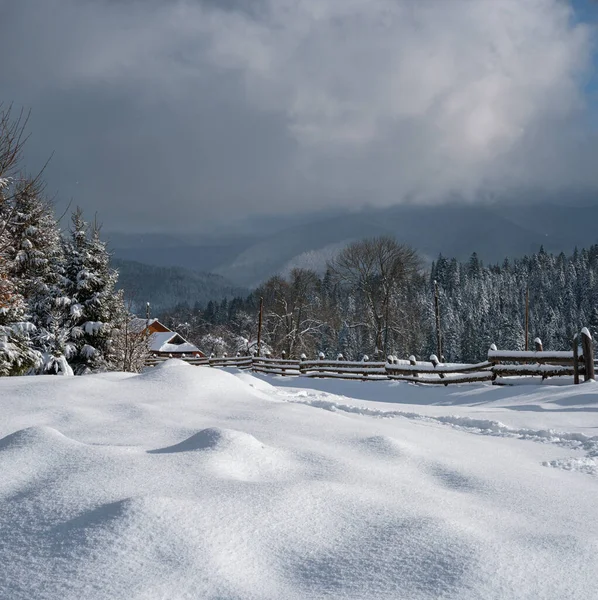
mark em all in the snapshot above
pixel 500 368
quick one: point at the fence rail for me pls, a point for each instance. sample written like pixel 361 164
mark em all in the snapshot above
pixel 500 366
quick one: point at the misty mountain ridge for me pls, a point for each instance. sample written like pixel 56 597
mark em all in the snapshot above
pixel 493 231
pixel 165 287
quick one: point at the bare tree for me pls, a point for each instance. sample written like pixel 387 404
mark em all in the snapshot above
pixel 378 269
pixel 130 345
pixel 292 319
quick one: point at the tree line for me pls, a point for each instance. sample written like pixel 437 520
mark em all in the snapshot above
pixel 59 310
pixel 376 299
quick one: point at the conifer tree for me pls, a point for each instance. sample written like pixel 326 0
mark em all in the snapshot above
pixel 38 271
pixel 96 309
pixel 17 355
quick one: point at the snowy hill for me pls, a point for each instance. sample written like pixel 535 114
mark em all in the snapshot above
pixel 165 287
pixel 190 482
pixel 493 231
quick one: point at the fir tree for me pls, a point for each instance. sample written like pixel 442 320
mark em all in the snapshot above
pixel 38 271
pixel 17 355
pixel 96 309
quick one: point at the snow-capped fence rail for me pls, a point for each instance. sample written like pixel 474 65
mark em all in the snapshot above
pixel 435 372
pixel 343 369
pixel 275 366
pixel 501 367
pixel 545 363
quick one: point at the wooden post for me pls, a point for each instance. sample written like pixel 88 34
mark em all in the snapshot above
pixel 259 327
pixel 588 354
pixel 492 348
pixel 435 362
pixel 538 344
pixel 437 311
pixel 575 359
pixel 527 318
pixel 413 362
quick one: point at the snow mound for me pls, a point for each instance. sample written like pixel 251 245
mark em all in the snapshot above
pixel 116 516
pixel 390 558
pixel 170 364
pixel 106 548
pixel 454 479
pixel 383 445
pixel 234 455
pixel 216 439
pixel 35 436
pixel 178 380
pixel 254 382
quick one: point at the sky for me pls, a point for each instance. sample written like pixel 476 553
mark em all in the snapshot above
pixel 179 115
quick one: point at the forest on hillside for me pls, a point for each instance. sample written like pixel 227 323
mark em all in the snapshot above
pixel 164 287
pixel 384 305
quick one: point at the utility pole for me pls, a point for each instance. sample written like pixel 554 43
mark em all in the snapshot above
pixel 526 317
pixel 259 327
pixel 437 311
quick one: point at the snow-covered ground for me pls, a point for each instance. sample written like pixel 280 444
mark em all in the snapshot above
pixel 196 483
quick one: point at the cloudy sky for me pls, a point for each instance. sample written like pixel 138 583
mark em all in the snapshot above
pixel 176 115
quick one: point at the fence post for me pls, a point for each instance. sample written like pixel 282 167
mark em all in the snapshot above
pixel 302 360
pixel 283 355
pixel 435 362
pixel 538 344
pixel 413 362
pixel 576 359
pixel 588 354
pixel 364 375
pixel 493 348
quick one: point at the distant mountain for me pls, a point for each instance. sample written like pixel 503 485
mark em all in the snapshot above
pixel 164 287
pixel 493 231
pixel 181 251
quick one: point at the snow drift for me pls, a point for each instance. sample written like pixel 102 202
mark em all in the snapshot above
pixel 189 482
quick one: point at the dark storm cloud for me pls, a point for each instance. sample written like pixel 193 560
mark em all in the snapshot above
pixel 176 114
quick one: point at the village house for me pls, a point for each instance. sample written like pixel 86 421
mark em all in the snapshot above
pixel 163 341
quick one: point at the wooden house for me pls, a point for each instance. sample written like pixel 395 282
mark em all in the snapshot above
pixel 162 340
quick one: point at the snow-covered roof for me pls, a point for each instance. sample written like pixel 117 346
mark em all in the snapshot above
pixel 169 341
pixel 138 324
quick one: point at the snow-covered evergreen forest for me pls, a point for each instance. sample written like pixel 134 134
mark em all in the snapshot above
pixel 59 311
pixel 394 313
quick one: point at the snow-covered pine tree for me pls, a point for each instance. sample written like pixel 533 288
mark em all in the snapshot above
pixel 17 355
pixel 96 308
pixel 38 272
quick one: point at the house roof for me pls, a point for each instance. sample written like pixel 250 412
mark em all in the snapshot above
pixel 169 341
pixel 138 325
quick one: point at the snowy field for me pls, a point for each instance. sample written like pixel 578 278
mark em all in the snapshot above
pixel 196 483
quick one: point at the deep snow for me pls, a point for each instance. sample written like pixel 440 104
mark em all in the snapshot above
pixel 191 482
